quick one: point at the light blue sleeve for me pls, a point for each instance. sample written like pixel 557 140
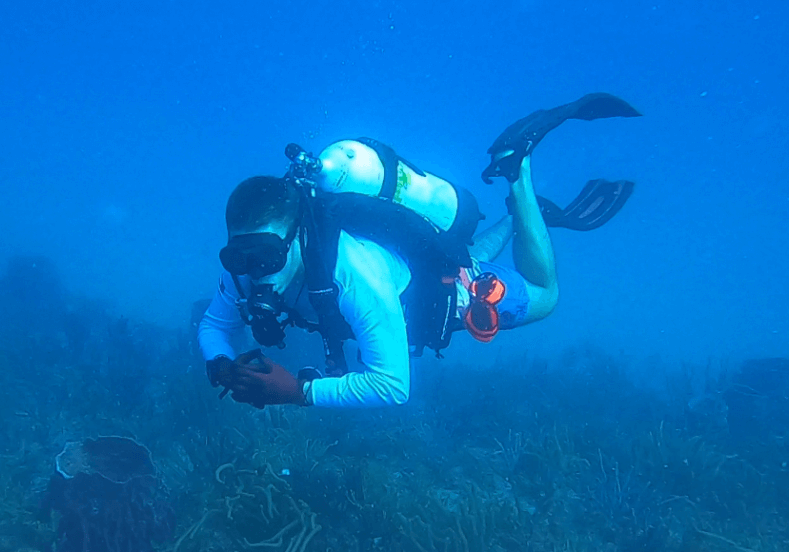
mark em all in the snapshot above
pixel 370 280
pixel 222 324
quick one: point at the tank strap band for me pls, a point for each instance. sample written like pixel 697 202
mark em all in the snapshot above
pixel 390 160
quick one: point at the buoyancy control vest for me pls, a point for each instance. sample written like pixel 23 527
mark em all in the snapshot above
pixel 365 188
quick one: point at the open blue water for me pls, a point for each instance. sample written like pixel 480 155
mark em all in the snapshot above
pixel 125 125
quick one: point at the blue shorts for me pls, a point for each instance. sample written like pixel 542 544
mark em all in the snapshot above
pixel 514 307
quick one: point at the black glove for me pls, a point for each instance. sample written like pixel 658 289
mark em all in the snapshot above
pixel 223 371
pixel 217 366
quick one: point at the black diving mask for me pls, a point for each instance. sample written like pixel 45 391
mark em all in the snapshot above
pixel 256 254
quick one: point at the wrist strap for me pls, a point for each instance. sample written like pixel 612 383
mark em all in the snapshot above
pixel 306 389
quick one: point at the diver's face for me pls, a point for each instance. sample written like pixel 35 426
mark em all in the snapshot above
pixel 294 266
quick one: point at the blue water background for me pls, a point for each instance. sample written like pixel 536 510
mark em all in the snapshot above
pixel 125 125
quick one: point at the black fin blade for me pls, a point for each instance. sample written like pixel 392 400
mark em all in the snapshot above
pixel 597 203
pixel 600 105
pixel 551 213
pixel 524 135
pixel 535 126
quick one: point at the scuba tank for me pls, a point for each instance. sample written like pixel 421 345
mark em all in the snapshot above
pixel 368 167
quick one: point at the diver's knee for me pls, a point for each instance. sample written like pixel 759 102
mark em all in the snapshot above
pixel 550 300
pixel 553 298
pixel 544 303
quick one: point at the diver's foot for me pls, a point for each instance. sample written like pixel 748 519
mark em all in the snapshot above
pixel 506 163
pixel 509 201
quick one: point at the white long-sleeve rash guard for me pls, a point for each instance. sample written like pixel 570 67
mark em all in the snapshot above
pixel 370 281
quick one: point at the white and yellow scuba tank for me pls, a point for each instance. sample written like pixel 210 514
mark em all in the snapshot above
pixel 370 168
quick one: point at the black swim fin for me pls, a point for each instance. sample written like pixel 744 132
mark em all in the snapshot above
pixel 597 203
pixel 523 136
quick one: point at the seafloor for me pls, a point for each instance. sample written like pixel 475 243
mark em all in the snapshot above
pixel 567 455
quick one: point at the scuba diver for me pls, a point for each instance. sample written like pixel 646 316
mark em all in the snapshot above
pixel 360 244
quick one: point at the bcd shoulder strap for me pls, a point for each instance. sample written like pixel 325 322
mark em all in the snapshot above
pixel 319 240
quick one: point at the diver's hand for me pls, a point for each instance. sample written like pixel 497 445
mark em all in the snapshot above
pixel 267 383
pixel 223 371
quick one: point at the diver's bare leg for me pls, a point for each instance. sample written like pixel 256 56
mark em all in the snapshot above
pixel 531 246
pixel 489 243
